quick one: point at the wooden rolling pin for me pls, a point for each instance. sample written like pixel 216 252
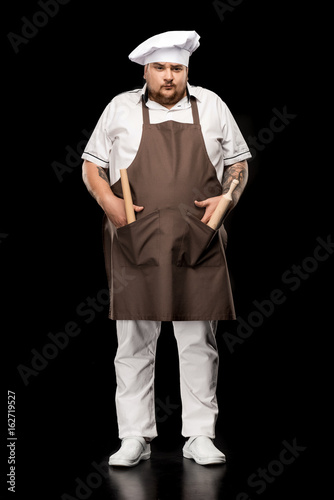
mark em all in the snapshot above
pixel 129 210
pixel 222 206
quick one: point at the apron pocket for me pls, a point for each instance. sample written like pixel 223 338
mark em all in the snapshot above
pixel 200 245
pixel 138 243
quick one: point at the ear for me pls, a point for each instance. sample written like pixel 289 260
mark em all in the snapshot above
pixel 145 70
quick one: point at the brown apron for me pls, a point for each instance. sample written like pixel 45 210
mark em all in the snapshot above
pixel 168 265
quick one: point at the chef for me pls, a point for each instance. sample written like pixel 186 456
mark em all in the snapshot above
pixel 182 149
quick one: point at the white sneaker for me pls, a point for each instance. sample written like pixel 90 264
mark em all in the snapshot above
pixel 203 451
pixel 131 452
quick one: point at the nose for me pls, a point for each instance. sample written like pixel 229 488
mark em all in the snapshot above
pixel 168 75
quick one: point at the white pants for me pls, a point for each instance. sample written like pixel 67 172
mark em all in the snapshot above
pixel 135 364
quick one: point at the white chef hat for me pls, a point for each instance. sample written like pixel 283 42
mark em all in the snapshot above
pixel 171 46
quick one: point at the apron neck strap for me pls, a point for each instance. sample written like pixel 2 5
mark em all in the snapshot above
pixel 146 116
pixel 194 108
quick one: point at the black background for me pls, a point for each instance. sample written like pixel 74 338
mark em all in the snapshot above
pixel 272 386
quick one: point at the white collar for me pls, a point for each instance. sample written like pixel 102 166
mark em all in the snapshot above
pixel 182 103
pixel 193 91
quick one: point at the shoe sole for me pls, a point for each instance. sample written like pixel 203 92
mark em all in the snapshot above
pixel 127 463
pixel 206 461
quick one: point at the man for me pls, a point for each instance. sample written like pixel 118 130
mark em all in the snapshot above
pixel 182 149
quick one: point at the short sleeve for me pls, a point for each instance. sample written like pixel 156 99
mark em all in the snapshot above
pixel 233 144
pixel 99 145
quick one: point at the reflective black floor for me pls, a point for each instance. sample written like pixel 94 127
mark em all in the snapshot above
pixel 267 427
pixel 283 471
pixel 166 475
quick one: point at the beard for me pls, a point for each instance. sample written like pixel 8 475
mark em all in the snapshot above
pixel 167 95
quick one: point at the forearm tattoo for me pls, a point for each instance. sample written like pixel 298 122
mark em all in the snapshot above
pixel 103 174
pixel 237 171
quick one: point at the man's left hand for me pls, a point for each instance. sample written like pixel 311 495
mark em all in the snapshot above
pixel 210 205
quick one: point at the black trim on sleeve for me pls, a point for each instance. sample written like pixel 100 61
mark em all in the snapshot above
pixel 239 154
pixel 86 153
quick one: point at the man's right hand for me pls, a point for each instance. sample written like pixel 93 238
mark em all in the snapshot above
pixel 114 209
pixel 97 183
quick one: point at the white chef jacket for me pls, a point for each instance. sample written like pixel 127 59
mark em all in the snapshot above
pixel 115 140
